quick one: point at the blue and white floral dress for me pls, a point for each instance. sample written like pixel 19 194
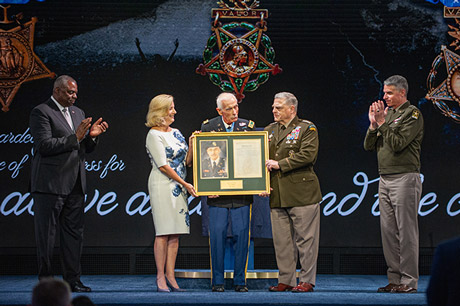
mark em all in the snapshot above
pixel 168 198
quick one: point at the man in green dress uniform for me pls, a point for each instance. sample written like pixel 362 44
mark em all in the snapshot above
pixel 295 194
pixel 396 133
pixel 214 165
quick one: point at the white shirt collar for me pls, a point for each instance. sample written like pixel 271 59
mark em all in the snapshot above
pixel 215 161
pixel 227 126
pixel 61 108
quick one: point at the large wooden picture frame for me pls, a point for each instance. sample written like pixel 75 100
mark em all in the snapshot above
pixel 230 163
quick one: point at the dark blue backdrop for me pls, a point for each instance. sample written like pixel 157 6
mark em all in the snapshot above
pixel 335 56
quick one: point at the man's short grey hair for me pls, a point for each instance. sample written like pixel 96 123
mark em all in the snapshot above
pixel 224 96
pixel 61 81
pixel 288 98
pixel 398 81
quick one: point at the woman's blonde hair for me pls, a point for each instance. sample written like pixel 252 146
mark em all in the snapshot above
pixel 158 109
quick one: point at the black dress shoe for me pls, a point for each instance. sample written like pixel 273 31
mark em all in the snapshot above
pixel 241 288
pixel 218 288
pixel 79 287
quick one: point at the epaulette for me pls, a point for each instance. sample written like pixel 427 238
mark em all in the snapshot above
pixel 251 124
pixel 206 121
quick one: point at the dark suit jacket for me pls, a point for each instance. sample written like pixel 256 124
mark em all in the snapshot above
pixel 444 286
pixel 219 170
pixel 58 157
pixel 296 150
pixel 216 125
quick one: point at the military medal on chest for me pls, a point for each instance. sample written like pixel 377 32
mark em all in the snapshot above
pixel 293 135
pixel 239 56
pixel 18 62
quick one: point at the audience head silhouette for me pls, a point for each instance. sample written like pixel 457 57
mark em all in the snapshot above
pixel 82 300
pixel 51 292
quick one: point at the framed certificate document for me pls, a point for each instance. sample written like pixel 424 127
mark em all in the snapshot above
pixel 230 163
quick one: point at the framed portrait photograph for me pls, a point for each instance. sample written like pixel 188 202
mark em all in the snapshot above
pixel 230 163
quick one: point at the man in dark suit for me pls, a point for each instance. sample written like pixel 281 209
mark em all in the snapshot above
pixel 295 194
pixel 214 165
pixel 220 207
pixel 444 286
pixel 62 137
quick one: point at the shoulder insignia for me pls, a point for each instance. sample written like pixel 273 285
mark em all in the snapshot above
pixel 251 124
pixel 312 127
pixel 415 114
pixel 306 121
pixel 206 121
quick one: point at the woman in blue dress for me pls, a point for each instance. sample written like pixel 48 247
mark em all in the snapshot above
pixel 169 155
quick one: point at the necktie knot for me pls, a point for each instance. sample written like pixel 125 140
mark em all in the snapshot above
pixel 66 114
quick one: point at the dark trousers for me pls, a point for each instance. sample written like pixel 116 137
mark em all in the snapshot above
pixel 218 222
pixel 66 212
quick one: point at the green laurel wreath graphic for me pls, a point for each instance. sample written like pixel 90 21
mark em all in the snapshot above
pixel 252 85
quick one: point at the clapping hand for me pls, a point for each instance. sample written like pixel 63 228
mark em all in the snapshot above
pixel 83 128
pixel 98 128
pixel 377 113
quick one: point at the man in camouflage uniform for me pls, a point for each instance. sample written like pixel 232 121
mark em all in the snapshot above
pixel 396 133
pixel 295 194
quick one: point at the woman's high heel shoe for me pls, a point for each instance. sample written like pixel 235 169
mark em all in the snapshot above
pixel 162 290
pixel 174 289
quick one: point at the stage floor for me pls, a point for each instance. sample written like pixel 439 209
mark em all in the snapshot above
pixel 140 290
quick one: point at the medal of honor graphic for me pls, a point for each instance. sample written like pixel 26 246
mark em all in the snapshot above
pixel 445 95
pixel 239 56
pixel 18 62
